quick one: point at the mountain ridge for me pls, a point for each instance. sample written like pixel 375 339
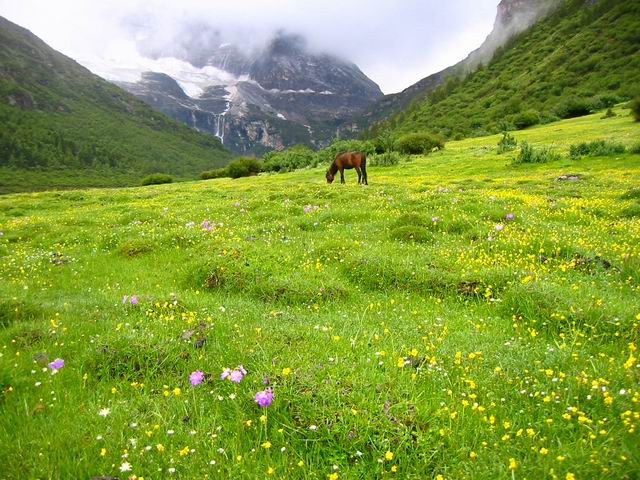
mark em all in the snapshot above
pixel 277 96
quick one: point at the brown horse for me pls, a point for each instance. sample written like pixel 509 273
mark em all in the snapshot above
pixel 357 160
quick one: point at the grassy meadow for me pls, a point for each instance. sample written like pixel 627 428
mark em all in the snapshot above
pixel 458 318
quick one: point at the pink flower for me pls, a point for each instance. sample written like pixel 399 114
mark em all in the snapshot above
pixel 264 397
pixel 133 300
pixel 56 364
pixel 435 219
pixel 499 227
pixel 206 226
pixel 196 377
pixel 235 375
pixel 509 216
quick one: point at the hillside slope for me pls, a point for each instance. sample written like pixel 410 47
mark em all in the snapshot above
pixel 512 18
pixel 581 52
pixel 60 125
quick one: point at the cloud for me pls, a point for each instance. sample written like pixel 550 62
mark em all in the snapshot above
pixel 395 42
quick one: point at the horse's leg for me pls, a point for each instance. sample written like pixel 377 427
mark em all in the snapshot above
pixel 359 174
pixel 342 175
pixel 364 174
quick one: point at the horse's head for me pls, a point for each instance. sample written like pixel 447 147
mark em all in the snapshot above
pixel 329 176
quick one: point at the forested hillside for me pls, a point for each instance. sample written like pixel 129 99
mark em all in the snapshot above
pixel 62 126
pixel 583 57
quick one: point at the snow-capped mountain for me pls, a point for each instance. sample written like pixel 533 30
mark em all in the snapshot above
pixel 272 97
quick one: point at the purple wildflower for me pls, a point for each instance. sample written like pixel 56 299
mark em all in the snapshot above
pixel 133 300
pixel 265 381
pixel 499 227
pixel 264 397
pixel 206 226
pixel 56 364
pixel 435 219
pixel 509 216
pixel 196 377
pixel 234 375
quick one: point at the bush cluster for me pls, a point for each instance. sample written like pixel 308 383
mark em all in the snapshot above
pixel 298 156
pixel 595 148
pixel 156 179
pixel 574 107
pixel 238 167
pixel 635 108
pixel 327 154
pixel 526 119
pixel 419 143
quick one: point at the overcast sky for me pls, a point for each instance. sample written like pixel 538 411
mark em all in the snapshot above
pixel 395 42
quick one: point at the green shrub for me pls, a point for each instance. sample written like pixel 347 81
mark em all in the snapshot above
pixel 327 155
pixel 156 179
pixel 385 141
pixel 216 173
pixel 386 159
pixel 573 107
pixel 635 108
pixel 526 119
pixel 507 143
pixel 243 167
pixel 293 158
pixel 609 114
pixel 419 143
pixel 595 148
pixel 548 118
pixel 606 101
pixel 528 154
pixel 635 148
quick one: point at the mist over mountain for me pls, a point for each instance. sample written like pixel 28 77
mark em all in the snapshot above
pixel 253 98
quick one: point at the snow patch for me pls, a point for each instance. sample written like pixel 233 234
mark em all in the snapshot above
pixel 123 63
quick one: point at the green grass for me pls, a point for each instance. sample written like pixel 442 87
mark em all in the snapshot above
pixel 408 329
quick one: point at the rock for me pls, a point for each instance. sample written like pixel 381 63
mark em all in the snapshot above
pixel 571 177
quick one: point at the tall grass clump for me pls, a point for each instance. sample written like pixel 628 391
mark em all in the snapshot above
pixel 596 148
pixel 386 159
pixel 507 143
pixel 529 154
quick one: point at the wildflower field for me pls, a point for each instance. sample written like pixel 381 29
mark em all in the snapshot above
pixel 460 317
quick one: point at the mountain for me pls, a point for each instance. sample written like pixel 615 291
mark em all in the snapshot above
pixel 268 98
pixel 62 126
pixel 543 60
pixel 512 18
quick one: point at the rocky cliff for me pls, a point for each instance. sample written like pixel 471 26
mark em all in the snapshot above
pixel 273 97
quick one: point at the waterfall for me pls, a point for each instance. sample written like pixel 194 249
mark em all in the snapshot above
pixel 220 126
pixel 193 119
